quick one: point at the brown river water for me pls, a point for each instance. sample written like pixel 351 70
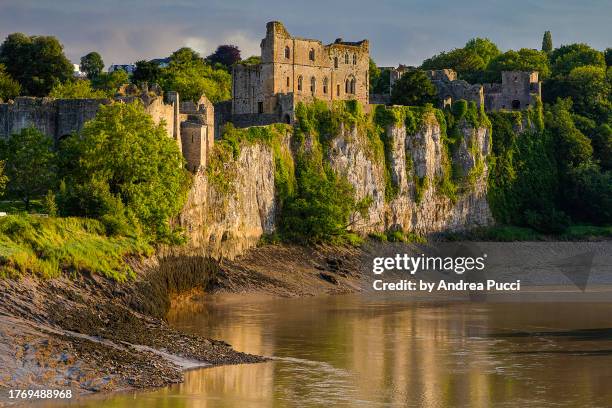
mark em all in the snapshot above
pixel 359 351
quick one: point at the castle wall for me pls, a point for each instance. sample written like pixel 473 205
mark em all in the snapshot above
pixel 304 68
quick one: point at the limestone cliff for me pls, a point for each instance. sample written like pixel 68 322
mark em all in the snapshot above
pixel 228 212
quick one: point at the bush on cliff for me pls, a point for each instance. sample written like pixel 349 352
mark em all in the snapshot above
pixel 29 164
pixel 126 171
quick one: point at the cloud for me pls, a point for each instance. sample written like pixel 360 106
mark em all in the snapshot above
pixel 406 31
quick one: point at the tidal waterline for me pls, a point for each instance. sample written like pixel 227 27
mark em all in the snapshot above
pixel 360 351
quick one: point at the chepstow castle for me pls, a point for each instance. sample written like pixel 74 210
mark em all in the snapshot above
pixel 291 70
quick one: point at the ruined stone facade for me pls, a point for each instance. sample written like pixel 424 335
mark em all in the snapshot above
pixel 190 124
pixel 518 89
pixel 296 69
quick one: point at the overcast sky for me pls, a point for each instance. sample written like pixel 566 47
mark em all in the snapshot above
pixel 400 31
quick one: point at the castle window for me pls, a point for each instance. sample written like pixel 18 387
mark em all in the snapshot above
pixel 354 59
pixel 299 83
pixel 516 104
pixel 288 82
pixel 353 86
pixel 287 52
pixel 313 85
pixel 346 59
pixel 311 54
pixel 338 90
pixel 335 62
pixel 347 84
pixel 259 107
pixel 325 85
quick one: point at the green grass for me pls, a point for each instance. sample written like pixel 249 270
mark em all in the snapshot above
pixel 586 232
pixel 49 246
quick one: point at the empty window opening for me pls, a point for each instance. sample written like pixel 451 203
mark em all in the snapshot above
pixel 311 54
pixel 287 52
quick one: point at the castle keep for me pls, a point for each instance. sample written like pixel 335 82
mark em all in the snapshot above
pixel 296 69
pixel 190 124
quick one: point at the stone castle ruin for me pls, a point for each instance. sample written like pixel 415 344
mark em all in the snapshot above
pixel 294 69
pixel 190 124
pixel 518 89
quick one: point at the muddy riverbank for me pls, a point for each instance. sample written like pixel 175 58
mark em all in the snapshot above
pixel 91 334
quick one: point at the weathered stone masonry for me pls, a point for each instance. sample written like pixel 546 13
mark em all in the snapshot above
pixel 294 69
pixel 190 124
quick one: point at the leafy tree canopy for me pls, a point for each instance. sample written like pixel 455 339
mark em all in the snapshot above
pixel 146 71
pixel 484 48
pixel 37 63
pixel 568 57
pixel 127 169
pixel 412 89
pixel 30 164
pixel 92 64
pixel 109 82
pixel 547 45
pixel 78 89
pixel 191 76
pixel 226 55
pixel 9 88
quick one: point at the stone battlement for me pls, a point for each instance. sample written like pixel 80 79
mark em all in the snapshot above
pixel 190 124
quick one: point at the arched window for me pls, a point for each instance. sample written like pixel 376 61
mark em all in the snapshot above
pixel 325 85
pixel 347 85
pixel 346 60
pixel 354 59
pixel 300 83
pixel 353 82
pixel 287 52
pixel 311 54
pixel 335 62
pixel 313 85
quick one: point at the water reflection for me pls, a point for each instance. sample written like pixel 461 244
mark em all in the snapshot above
pixel 350 351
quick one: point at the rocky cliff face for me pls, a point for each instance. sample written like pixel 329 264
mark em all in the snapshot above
pixel 227 221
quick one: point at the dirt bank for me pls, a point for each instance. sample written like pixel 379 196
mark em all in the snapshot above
pixel 91 334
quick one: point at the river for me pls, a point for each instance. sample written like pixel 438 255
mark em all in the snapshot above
pixel 359 351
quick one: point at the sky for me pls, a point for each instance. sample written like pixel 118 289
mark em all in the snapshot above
pixel 400 31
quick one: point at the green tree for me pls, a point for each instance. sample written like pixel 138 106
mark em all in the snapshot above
pixel 484 48
pixel 589 88
pixel 547 45
pixel 146 71
pixel 3 179
pixel 192 77
pixel 466 62
pixel 9 88
pixel 30 164
pixel 109 82
pixel 602 145
pixel 572 146
pixel 589 194
pixel 374 73
pixel 320 209
pixel 37 62
pixel 567 57
pixel 92 64
pixel 128 170
pixel 524 59
pixel 79 89
pixel 413 89
pixel 226 55
pixel 608 56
